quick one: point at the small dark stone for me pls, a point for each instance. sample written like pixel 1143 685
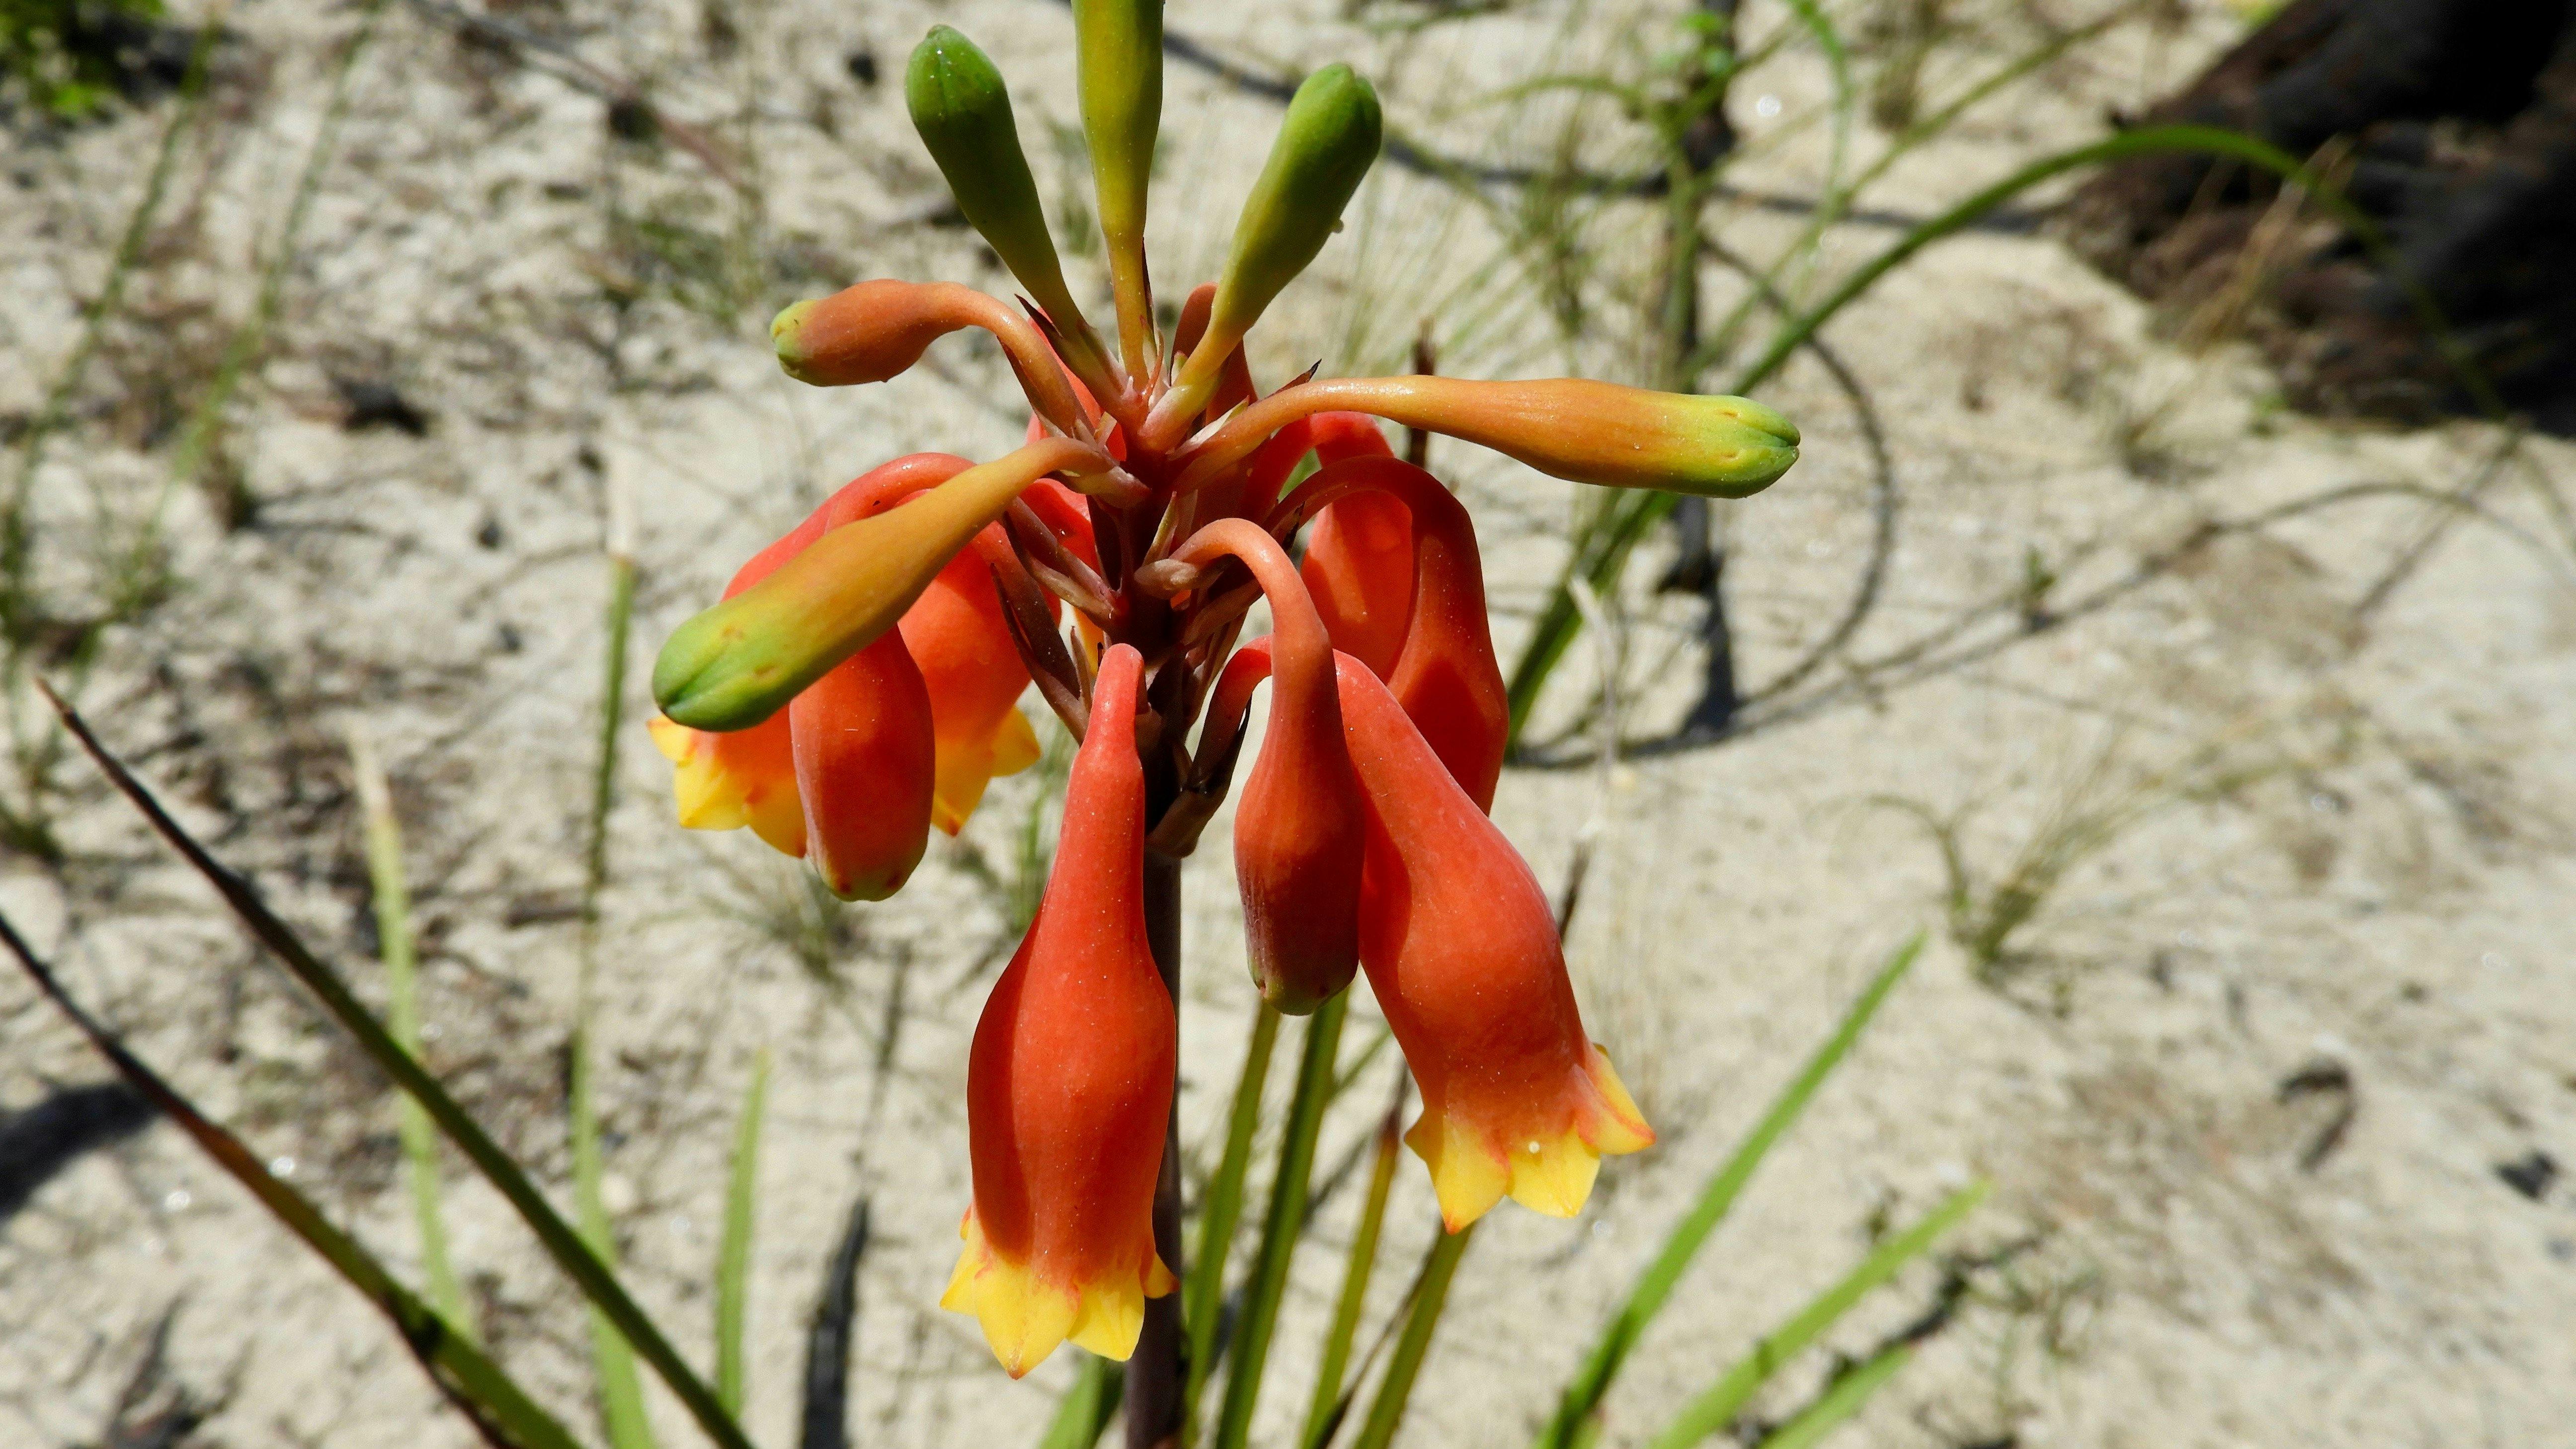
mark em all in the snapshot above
pixel 507 637
pixel 630 118
pixel 862 65
pixel 2530 1176
pixel 379 405
pixel 489 535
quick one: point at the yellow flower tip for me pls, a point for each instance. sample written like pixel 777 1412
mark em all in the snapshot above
pixel 966 767
pixel 725 782
pixel 1550 1170
pixel 1024 1317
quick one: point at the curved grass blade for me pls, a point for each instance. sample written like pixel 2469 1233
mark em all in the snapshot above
pixel 612 1359
pixel 1280 1228
pixel 1841 1401
pixel 1603 555
pixel 1203 1300
pixel 596 1281
pixel 1718 1405
pixel 1083 1414
pixel 733 1254
pixel 395 943
pixel 1355 1279
pixel 1574 1420
pixel 499 1409
pixel 1386 1411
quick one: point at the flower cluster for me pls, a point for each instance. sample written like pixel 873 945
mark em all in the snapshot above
pixel 858 684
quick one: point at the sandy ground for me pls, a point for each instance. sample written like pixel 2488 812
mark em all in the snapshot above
pixel 2287 798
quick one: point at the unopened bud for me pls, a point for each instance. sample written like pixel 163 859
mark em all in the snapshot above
pixel 867 333
pixel 963 112
pixel 1325 145
pixel 735 664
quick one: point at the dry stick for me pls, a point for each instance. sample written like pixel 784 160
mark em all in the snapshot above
pixel 500 1411
pixel 561 1243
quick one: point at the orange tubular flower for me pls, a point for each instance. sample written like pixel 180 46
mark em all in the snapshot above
pixel 975 678
pixel 1069 1082
pixel 1300 830
pixel 725 780
pixel 1461 950
pixel 1359 554
pixel 1443 672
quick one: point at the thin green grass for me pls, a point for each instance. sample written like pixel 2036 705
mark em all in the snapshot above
pixel 1421 1320
pixel 1282 1225
pixel 396 945
pixel 733 1253
pixel 1718 1405
pixel 1577 1416
pixel 1844 1399
pixel 1360 1266
pixel 474 1384
pixel 1221 1211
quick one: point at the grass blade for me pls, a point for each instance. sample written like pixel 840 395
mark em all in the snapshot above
pixel 733 1256
pixel 1280 1229
pixel 1840 1401
pixel 499 1409
pixel 1575 1410
pixel 1203 1298
pixel 612 1358
pixel 620 1390
pixel 395 943
pixel 1717 1407
pixel 596 1281
pixel 1386 1412
pixel 1355 1277
pixel 1083 1415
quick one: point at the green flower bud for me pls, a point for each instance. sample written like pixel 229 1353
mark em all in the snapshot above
pixel 1326 144
pixel 1118 54
pixel 963 112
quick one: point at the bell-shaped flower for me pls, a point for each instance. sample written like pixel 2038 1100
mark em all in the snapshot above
pixel 1069 1081
pixel 729 779
pixel 1443 669
pixel 1300 828
pixel 1359 552
pixel 1461 951
pixel 975 677
pixel 864 751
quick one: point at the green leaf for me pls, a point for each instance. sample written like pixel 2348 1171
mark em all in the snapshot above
pixel 733 1254
pixel 1203 1298
pixel 1280 1228
pixel 478 1388
pixel 1841 1400
pixel 392 894
pixel 1581 1400
pixel 1360 1267
pixel 596 1280
pixel 612 1359
pixel 1717 1407
pixel 1083 1414
pixel 1386 1411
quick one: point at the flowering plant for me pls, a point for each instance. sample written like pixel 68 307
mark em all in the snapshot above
pixel 857 686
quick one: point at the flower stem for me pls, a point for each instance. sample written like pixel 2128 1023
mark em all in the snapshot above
pixel 1156 1373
